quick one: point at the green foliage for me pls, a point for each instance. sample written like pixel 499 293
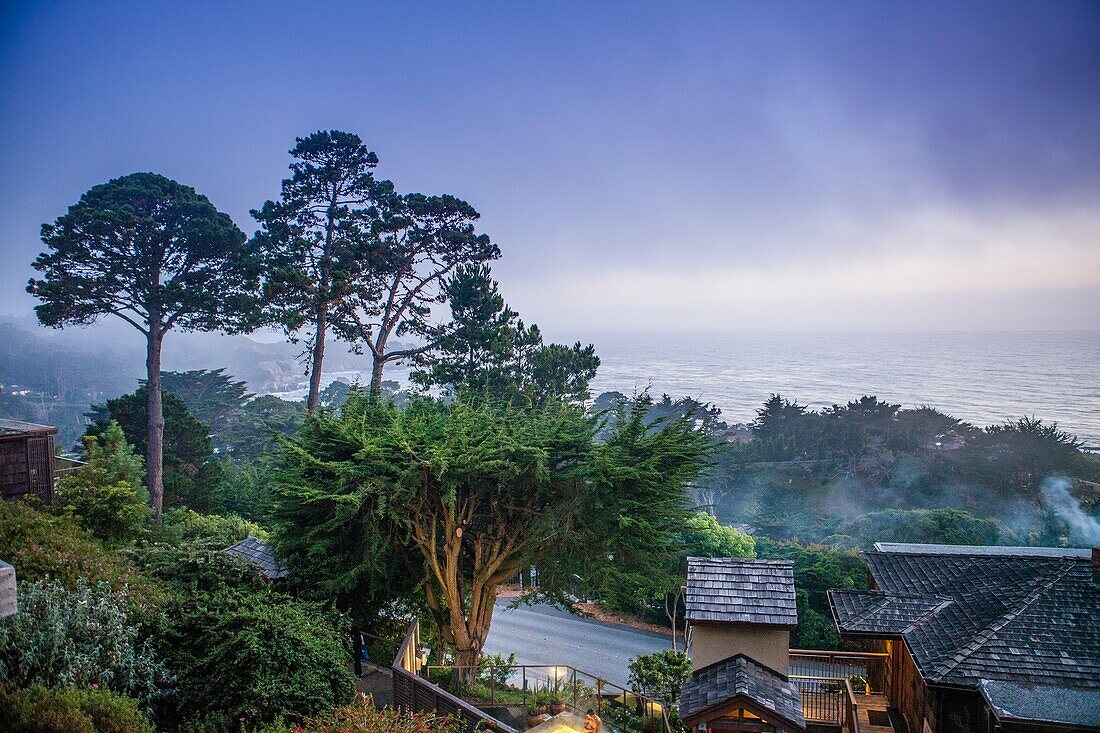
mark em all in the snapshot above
pixel 263 420
pixel 217 530
pixel 106 496
pixel 42 546
pixel 254 656
pixel 149 250
pixel 361 716
pixel 817 569
pixel 81 637
pixel 192 570
pixel 245 489
pixel 703 536
pixel 942 526
pixel 39 709
pixel 633 515
pixel 1019 454
pixel 191 474
pixel 661 675
pixel 486 349
pixel 212 398
pixel 494 669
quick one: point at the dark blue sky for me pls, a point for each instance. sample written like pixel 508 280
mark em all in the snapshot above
pixel 643 166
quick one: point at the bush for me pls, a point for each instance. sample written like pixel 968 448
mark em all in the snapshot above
pixel 362 717
pixel 220 531
pixel 249 659
pixel 80 638
pixel 192 568
pixel 106 496
pixel 42 546
pixel 38 709
pixel 69 710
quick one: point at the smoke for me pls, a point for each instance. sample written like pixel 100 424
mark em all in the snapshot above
pixel 1057 498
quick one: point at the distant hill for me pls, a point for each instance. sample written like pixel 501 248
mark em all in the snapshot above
pixel 107 359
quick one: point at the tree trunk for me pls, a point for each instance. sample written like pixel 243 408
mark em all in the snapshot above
pixel 317 361
pixel 376 376
pixel 154 454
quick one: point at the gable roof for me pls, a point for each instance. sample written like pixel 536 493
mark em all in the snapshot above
pixel 736 590
pixel 994 614
pixel 256 551
pixel 722 685
pixel 1040 704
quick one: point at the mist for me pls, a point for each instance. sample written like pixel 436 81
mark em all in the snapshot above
pixel 1056 497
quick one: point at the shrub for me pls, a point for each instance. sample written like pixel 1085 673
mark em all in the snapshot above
pixel 39 709
pixel 42 546
pixel 192 568
pixel 82 638
pixel 495 669
pixel 106 495
pixel 255 657
pixel 217 530
pixel 362 717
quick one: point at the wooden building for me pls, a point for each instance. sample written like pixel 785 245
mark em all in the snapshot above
pixel 26 459
pixel 983 639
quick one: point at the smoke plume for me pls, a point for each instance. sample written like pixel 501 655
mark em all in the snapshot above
pixel 1058 499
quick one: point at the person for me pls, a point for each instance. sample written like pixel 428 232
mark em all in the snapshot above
pixel 591 722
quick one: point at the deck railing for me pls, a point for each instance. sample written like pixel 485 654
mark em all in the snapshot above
pixel 415 693
pixel 823 682
pixel 576 688
pixel 851 709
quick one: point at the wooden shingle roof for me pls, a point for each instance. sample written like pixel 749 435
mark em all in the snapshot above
pixel 988 616
pixel 13 428
pixel 736 590
pixel 739 679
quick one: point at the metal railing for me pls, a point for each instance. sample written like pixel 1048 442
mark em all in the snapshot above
pixel 823 682
pixel 576 688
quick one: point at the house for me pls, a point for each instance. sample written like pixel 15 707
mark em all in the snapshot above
pixel 26 459
pixel 740 614
pixel 983 639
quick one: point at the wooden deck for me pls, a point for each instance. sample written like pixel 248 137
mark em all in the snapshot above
pixel 872 706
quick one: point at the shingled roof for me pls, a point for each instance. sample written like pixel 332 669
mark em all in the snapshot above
pixel 12 428
pixel 725 589
pixel 259 553
pixel 737 680
pixel 994 614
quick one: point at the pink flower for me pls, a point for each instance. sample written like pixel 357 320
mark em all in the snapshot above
pixel 95 685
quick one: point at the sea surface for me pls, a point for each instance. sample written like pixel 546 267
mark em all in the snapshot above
pixel 981 377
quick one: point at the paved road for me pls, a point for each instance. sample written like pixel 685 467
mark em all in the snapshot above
pixel 547 635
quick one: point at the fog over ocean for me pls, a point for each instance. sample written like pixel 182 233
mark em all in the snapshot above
pixel 981 377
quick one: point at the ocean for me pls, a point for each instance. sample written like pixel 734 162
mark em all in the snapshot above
pixel 981 377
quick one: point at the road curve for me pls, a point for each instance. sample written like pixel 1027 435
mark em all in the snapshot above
pixel 543 634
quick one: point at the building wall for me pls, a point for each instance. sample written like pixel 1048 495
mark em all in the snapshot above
pixel 712 643
pixel 26 466
pixel 14 480
pixel 907 692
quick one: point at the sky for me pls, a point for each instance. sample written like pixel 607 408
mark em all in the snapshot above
pixel 643 166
